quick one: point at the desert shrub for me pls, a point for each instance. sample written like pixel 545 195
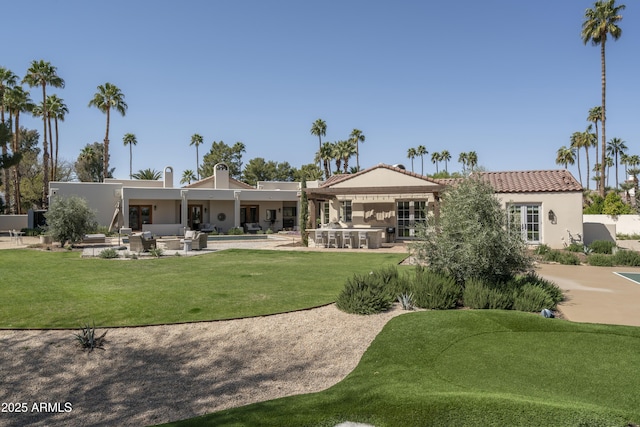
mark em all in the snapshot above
pixel 364 294
pixel 472 236
pixel 575 247
pixel 600 260
pixel 156 252
pixel 69 219
pixel 561 257
pixel 406 301
pixel 602 246
pixel 531 298
pixel 435 290
pixel 108 253
pixel 87 338
pixel 553 290
pixel 542 249
pixel 622 236
pixel 626 258
pixel 480 295
pixel 235 231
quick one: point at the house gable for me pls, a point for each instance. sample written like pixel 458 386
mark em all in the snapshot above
pixel 380 176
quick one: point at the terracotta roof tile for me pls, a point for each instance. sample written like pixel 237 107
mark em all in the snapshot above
pixel 540 181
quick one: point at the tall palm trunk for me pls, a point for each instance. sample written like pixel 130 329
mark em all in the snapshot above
pixel 6 172
pixel 16 171
pixel 586 152
pixel 51 178
pixel 45 151
pixel 604 116
pixel 55 163
pixel 578 159
pixel 105 162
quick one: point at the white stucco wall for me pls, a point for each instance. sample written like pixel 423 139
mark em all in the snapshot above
pixel 567 209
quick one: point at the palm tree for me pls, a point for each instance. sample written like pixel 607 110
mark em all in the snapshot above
pixel 348 148
pixel 108 97
pixel 42 73
pixel 319 128
pixel 58 110
pixel 7 80
pixel 357 137
pixel 325 155
pixel 187 177
pixel 435 158
pixel 472 159
pixel 616 147
pixel 196 139
pixel 576 144
pixel 608 163
pixel 130 140
pixel 464 159
pixel 596 169
pixel 626 186
pixel 566 156
pixel 148 174
pixel 17 101
pixel 411 154
pixel 445 156
pixel 595 114
pixel 421 151
pixel 336 154
pixel 599 23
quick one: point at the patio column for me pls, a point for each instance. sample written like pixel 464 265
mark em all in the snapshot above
pixel 184 209
pixel 236 208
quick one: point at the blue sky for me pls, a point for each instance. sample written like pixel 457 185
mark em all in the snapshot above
pixel 508 79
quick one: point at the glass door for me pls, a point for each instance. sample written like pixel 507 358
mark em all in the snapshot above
pixel 138 215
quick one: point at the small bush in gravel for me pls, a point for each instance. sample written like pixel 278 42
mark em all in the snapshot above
pixel 575 247
pixel 602 247
pixel 435 291
pixel 87 338
pixel 600 260
pixel 627 258
pixel 365 294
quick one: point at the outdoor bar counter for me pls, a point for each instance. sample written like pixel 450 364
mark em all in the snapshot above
pixel 370 238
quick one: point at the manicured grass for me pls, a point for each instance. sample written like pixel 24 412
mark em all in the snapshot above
pixel 45 289
pixel 472 368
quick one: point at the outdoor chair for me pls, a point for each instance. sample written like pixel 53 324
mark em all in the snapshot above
pixel 346 239
pixel 319 239
pixel 363 238
pixel 199 241
pixel 140 243
pixel 332 236
pixel 206 227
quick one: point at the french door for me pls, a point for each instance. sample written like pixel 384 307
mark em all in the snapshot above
pixel 410 213
pixel 138 215
pixel 528 216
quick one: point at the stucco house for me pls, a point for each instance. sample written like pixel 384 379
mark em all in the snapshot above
pixel 548 203
pixel 219 201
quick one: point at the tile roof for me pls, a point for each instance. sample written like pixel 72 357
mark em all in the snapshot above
pixel 537 181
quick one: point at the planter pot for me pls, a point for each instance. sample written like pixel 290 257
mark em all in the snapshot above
pixel 46 240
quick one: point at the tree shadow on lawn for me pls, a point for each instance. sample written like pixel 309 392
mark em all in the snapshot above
pixel 134 381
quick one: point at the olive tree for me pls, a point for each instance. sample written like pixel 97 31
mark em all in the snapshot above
pixel 69 219
pixel 472 237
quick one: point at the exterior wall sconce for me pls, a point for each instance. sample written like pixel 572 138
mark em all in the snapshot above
pixel 155 207
pixel 552 217
pixel 205 210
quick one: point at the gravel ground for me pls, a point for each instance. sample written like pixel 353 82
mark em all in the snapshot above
pixel 156 374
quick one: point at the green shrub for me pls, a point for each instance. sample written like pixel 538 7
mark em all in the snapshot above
pixel 156 252
pixel 435 291
pixel 602 246
pixel 235 231
pixel 542 249
pixel 531 298
pixel 480 295
pixel 626 258
pixel 575 247
pixel 600 260
pixel 108 253
pixel 553 290
pixel 69 219
pixel 622 236
pixel 364 294
pixel 561 257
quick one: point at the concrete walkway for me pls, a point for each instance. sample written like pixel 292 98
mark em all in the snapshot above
pixel 594 294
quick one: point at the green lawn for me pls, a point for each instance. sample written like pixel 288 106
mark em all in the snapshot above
pixel 48 290
pixel 472 368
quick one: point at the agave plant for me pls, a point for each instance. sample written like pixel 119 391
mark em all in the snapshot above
pixel 406 301
pixel 87 338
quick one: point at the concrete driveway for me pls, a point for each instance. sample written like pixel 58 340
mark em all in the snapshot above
pixel 596 294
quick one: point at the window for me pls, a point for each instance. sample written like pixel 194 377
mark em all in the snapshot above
pixel 324 213
pixel 410 214
pixel 528 217
pixel 345 210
